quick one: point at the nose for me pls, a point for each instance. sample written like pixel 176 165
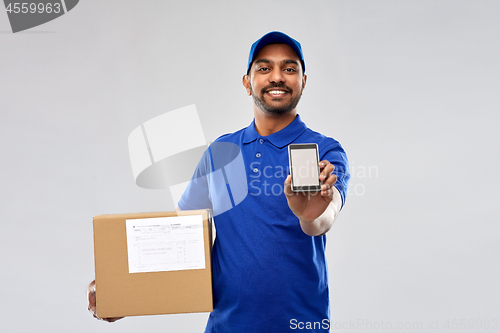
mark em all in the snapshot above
pixel 276 76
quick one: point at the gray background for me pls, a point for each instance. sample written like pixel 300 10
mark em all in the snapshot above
pixel 410 88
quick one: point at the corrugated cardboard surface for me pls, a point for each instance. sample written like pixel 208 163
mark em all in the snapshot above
pixel 120 293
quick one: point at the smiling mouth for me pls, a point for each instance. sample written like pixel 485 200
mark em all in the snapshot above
pixel 276 92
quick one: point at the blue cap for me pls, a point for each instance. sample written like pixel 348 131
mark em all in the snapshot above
pixel 275 37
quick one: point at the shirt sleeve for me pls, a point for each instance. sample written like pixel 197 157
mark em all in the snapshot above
pixel 337 156
pixel 196 195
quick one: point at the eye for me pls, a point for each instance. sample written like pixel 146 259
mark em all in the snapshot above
pixel 290 70
pixel 263 69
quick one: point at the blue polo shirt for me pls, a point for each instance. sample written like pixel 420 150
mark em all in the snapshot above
pixel 268 275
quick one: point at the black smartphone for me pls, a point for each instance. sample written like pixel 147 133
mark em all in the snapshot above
pixel 304 167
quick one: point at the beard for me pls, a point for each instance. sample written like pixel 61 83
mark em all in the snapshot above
pixel 275 110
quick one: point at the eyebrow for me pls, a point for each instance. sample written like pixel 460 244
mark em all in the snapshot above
pixel 258 61
pixel 291 62
pixel 267 61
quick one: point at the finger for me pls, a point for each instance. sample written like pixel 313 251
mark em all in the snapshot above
pixel 92 310
pixel 288 186
pixel 325 164
pixel 329 183
pixel 326 171
pixel 91 297
pixel 325 190
pixel 110 320
pixel 331 179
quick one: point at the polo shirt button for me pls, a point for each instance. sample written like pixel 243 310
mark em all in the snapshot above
pixel 255 170
pixel 261 140
pixel 258 155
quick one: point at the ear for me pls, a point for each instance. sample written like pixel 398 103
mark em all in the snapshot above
pixel 246 84
pixel 304 79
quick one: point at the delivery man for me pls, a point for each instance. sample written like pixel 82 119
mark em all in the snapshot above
pixel 269 264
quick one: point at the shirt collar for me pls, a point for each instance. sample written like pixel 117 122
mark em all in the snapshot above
pixel 279 139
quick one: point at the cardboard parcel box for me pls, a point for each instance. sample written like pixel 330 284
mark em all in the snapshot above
pixel 153 263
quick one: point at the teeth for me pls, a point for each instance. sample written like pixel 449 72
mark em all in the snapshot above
pixel 275 92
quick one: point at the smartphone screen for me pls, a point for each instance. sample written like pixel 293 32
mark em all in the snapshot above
pixel 304 167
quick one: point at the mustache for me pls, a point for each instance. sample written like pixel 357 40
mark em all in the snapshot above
pixel 277 85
